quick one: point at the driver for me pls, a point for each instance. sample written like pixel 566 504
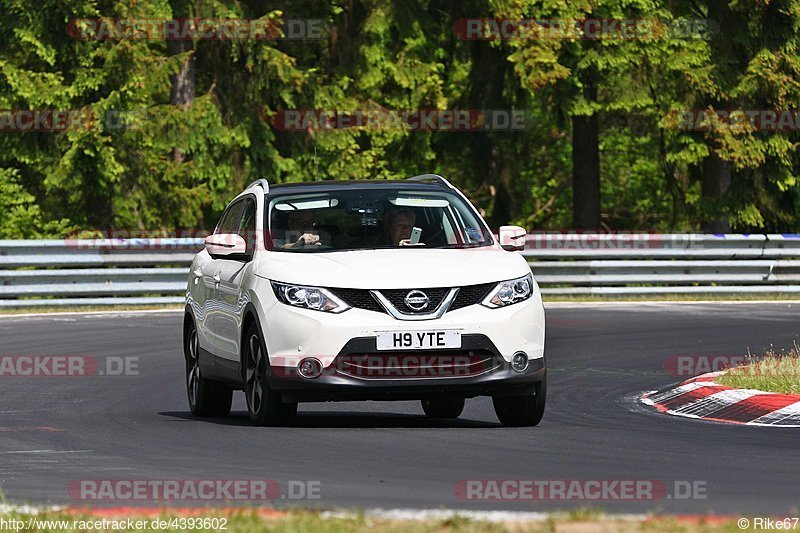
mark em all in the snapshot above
pixel 302 223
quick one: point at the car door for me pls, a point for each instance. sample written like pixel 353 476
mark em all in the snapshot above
pixel 202 287
pixel 230 294
pixel 210 273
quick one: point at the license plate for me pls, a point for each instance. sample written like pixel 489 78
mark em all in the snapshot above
pixel 418 340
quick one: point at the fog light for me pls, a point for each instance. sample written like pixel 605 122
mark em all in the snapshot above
pixel 309 367
pixel 519 361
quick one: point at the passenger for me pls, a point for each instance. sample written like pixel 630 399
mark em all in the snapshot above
pixel 398 224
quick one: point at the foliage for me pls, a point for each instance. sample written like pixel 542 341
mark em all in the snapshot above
pixel 142 162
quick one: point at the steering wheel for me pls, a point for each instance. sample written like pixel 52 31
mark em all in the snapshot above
pixel 435 235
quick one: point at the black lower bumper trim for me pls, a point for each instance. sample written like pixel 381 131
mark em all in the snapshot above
pixel 335 386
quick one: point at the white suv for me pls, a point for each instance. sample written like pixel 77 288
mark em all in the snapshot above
pixel 376 290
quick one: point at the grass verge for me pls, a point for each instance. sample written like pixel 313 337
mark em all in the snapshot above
pixel 775 372
pixel 246 521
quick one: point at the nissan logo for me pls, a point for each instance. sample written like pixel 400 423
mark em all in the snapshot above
pixel 417 300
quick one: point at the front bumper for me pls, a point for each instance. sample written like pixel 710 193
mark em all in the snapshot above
pixel 293 333
pixel 338 382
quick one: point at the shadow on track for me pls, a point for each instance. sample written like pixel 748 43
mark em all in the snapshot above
pixel 328 419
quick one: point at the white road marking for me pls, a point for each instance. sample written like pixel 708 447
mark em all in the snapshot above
pixel 49 451
pixel 103 314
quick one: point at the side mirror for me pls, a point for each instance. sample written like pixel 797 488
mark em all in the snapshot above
pixel 512 238
pixel 226 245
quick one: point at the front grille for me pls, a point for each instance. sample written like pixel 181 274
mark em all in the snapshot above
pixel 471 294
pixel 360 298
pixel 397 298
pixel 416 365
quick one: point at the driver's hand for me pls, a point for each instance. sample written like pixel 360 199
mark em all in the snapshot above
pixel 308 238
pixel 407 242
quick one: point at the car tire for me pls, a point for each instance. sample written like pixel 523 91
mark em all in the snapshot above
pixel 265 406
pixel 443 407
pixel 522 411
pixel 206 397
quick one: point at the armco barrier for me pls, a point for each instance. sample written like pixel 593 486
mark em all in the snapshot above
pixel 95 271
pixel 155 271
pixel 589 263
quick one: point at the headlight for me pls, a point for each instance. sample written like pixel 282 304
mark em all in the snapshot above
pixel 510 292
pixel 309 297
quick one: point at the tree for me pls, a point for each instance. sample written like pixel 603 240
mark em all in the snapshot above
pixel 748 177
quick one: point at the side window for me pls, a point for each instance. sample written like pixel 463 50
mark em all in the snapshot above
pixel 229 223
pixel 246 226
pixel 449 233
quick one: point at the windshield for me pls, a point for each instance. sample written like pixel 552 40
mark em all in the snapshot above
pixel 359 219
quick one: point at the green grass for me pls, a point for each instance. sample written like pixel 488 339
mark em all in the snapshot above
pixel 247 521
pixel 773 373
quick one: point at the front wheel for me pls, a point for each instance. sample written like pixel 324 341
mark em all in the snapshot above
pixel 443 407
pixel 206 397
pixel 520 411
pixel 264 405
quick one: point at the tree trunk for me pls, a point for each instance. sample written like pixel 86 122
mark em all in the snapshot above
pixel 494 158
pixel 731 61
pixel 183 83
pixel 716 180
pixel 586 167
pixel 501 210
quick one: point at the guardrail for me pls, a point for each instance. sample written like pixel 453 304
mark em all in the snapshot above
pixel 155 271
pixel 588 263
pixel 95 271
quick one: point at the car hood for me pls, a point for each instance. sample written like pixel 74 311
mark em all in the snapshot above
pixel 392 269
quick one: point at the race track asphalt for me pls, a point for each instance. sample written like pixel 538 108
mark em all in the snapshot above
pixel 370 455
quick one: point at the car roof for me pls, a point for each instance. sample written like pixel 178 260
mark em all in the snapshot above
pixel 331 185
